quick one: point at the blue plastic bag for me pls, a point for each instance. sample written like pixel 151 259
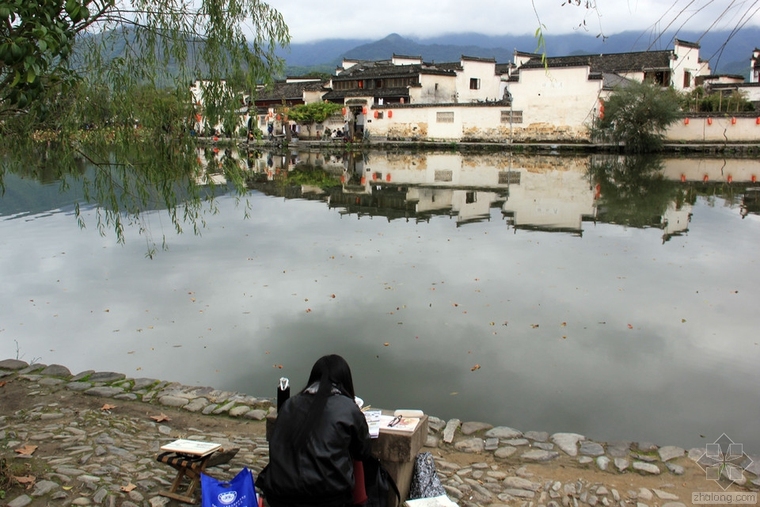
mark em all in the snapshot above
pixel 238 492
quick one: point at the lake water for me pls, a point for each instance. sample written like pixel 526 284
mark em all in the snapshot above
pixel 520 291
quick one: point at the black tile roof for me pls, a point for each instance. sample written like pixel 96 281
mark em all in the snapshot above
pixel 287 91
pixel 371 70
pixel 608 63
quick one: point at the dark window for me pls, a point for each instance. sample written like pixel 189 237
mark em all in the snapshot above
pixel 474 83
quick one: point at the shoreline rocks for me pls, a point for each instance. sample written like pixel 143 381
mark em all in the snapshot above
pixel 110 461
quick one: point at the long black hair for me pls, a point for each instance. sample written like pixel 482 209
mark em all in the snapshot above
pixel 329 371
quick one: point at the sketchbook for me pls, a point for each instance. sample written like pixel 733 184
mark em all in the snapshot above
pixel 390 424
pixel 373 422
pixel 192 447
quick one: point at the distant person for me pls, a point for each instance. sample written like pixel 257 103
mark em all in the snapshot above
pixel 318 434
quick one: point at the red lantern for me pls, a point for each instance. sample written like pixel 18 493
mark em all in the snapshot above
pixel 364 110
pixel 685 121
pixel 390 115
pixel 733 120
pixel 363 180
pixel 709 121
pixel 377 113
pixel 757 120
pixel 343 111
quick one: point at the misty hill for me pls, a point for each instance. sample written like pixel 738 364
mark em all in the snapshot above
pixel 727 53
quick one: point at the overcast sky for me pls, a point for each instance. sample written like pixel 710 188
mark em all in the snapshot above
pixel 310 20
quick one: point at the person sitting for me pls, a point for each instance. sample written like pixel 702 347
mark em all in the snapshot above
pixel 318 435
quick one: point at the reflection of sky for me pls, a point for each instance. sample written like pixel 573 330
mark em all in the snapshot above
pixel 545 316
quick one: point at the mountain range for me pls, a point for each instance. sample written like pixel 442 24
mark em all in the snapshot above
pixel 727 52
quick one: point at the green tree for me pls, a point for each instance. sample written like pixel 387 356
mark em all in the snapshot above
pixel 638 114
pixel 315 112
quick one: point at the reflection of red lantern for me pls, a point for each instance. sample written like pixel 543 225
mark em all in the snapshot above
pixel 388 177
pixel 754 179
pixel 730 178
pixel 705 178
pixel 683 178
pixel 363 180
pixel 374 176
pixel 342 178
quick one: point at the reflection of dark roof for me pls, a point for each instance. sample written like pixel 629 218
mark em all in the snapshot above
pixel 616 62
pixel 287 91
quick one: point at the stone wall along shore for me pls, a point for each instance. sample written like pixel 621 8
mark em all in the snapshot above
pixel 102 457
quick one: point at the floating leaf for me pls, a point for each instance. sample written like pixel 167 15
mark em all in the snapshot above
pixel 476 367
pixel 563 324
pixel 386 344
pixel 160 418
pixel 630 326
pixel 534 326
pixel 108 406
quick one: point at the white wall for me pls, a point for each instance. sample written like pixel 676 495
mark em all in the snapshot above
pixel 556 96
pixel 485 72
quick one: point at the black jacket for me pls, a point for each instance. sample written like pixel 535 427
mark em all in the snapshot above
pixel 321 472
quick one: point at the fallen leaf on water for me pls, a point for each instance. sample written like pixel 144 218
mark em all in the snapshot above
pixel 630 326
pixel 534 326
pixel 563 324
pixel 160 418
pixel 2 383
pixel 129 487
pixel 108 406
pixel 386 344
pixel 67 488
pixel 476 367
pixel 26 450
pixel 454 393
pixel 683 320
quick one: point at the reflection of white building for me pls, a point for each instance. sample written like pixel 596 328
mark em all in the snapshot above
pixel 676 220
pixel 551 200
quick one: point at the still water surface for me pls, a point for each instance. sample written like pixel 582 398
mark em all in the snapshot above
pixel 532 311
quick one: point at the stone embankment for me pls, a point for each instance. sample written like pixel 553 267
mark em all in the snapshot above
pixel 91 440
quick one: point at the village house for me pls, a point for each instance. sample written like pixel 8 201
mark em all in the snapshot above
pixel 531 99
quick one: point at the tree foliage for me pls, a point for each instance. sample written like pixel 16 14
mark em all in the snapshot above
pixel 638 114
pixel 314 112
pixel 699 100
pixel 99 90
